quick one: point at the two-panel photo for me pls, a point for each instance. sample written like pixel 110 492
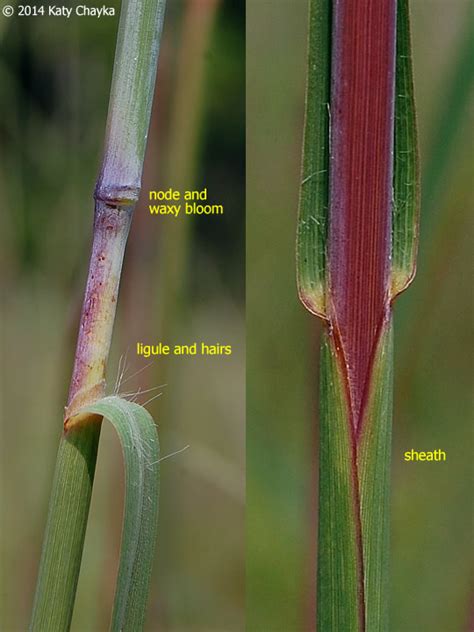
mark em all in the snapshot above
pixel 236 316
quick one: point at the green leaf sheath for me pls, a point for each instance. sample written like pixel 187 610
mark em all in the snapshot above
pixel 406 178
pixel 373 467
pixel 69 508
pixel 354 497
pixel 338 564
pixel 139 440
pixel 65 530
pixel 313 205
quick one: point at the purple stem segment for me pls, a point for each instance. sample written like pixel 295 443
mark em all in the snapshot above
pixel 362 122
pixel 111 228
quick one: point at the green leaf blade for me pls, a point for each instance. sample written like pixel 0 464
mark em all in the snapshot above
pixel 406 177
pixel 314 191
pixel 69 510
pixel 140 446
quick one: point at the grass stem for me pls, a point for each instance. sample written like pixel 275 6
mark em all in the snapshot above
pixel 116 194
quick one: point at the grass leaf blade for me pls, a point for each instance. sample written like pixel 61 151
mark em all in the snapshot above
pixel 139 440
pixel 69 510
pixel 312 220
pixel 406 176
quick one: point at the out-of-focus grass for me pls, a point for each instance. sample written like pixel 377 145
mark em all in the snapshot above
pixel 432 503
pixel 280 417
pixel 432 506
pixel 51 129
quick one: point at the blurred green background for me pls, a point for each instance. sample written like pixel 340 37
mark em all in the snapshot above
pixel 182 282
pixel 432 504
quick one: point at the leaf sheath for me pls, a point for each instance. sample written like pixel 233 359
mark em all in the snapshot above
pixel 65 530
pixel 354 493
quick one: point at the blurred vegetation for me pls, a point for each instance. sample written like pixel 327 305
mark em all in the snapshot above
pixel 432 503
pixel 56 75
